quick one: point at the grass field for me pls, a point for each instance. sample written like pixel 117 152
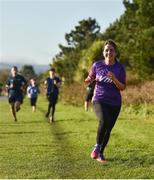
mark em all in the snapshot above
pixel 33 148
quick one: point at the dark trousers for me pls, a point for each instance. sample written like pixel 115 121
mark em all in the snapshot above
pixel 107 116
pixel 52 103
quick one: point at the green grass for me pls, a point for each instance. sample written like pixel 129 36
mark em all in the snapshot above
pixel 33 148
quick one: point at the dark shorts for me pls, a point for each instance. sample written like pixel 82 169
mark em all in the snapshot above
pixel 88 96
pixel 13 97
pixel 33 101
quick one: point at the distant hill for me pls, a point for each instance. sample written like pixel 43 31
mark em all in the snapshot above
pixel 38 68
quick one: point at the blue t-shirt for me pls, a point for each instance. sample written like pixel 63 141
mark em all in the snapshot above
pixel 51 87
pixel 15 84
pixel 105 90
pixel 33 91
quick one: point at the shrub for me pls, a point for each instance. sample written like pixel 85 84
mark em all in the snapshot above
pixel 134 94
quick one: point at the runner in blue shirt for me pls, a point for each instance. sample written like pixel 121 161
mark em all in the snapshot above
pixel 52 85
pixel 32 92
pixel 15 87
pixel 110 80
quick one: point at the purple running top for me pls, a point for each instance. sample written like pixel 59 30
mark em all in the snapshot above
pixel 105 90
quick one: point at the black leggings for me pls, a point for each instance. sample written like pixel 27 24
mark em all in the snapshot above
pixel 33 101
pixel 107 116
pixel 52 103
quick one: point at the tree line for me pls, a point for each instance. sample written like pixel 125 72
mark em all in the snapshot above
pixel 133 32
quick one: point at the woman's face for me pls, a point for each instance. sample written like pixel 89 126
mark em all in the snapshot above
pixel 51 73
pixel 109 53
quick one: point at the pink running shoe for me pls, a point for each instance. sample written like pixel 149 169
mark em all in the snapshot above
pixel 95 153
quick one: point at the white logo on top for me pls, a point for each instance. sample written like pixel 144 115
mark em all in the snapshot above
pixel 104 79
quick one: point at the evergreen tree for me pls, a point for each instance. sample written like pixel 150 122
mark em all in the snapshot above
pixel 28 71
pixel 66 62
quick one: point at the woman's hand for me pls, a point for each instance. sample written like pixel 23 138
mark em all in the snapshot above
pixel 58 84
pixel 111 75
pixel 118 84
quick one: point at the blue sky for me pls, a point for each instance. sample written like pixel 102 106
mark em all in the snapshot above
pixel 30 30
